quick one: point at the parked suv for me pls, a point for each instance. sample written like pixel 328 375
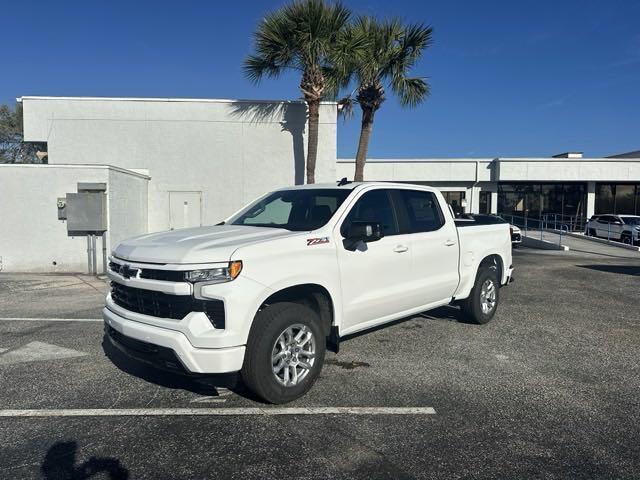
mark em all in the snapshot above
pixel 623 228
pixel 265 291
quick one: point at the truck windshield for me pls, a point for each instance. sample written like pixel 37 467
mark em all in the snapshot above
pixel 296 210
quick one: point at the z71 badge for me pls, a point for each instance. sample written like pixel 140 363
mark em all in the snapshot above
pixel 317 241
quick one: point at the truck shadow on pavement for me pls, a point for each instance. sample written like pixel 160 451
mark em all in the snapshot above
pixel 60 464
pixel 207 385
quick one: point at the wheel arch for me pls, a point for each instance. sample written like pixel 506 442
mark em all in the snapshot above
pixel 491 260
pixel 313 295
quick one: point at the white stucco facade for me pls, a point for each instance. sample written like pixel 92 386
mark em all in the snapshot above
pixel 226 152
pixel 32 239
pixel 476 175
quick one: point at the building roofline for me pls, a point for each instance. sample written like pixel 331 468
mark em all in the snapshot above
pixel 78 165
pixel 161 99
pixel 487 159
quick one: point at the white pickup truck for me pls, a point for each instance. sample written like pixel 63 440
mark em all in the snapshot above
pixel 266 291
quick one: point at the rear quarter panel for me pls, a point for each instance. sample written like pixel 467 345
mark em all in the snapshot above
pixel 477 243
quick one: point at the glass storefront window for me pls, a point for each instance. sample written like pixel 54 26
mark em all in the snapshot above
pixel 485 202
pixel 618 198
pixel 535 200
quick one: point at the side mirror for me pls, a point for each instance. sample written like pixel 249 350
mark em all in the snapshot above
pixel 362 232
pixel 616 222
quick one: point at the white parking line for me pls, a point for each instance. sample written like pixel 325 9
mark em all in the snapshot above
pixel 159 412
pixel 51 319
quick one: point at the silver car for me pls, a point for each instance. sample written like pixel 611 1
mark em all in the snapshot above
pixel 621 228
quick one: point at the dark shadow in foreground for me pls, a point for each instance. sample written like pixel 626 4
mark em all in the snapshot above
pixel 60 464
pixel 632 270
pixel 207 385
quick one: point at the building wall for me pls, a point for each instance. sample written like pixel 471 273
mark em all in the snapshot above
pixel 231 151
pixel 128 207
pixel 484 174
pixel 32 239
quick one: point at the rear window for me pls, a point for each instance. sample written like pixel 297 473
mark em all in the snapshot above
pixel 423 211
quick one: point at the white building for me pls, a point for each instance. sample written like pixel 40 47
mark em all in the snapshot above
pixel 566 185
pixel 172 163
pixel 194 162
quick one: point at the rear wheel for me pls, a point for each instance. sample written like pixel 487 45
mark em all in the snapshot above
pixel 591 232
pixel 482 303
pixel 285 352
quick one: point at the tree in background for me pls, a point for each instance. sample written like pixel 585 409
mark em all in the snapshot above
pixel 392 49
pixel 306 36
pixel 12 147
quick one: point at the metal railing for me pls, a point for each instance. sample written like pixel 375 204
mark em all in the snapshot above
pixel 556 221
pixel 535 227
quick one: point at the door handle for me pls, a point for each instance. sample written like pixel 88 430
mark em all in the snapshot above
pixel 450 243
pixel 400 249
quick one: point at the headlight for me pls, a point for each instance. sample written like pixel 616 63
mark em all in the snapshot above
pixel 215 275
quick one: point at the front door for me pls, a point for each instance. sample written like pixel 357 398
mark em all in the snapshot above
pixel 374 277
pixel 185 209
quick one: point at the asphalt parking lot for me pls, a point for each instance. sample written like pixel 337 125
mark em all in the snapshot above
pixel 549 389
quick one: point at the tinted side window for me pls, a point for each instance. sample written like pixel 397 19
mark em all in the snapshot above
pixel 373 206
pixel 423 211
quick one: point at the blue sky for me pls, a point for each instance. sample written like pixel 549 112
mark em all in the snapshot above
pixel 508 78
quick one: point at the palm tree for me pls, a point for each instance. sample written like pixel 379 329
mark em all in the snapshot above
pixel 392 49
pixel 304 36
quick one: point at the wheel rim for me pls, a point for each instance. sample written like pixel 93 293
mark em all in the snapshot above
pixel 488 296
pixel 293 355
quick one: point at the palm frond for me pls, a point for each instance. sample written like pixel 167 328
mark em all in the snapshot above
pixel 411 90
pixel 345 107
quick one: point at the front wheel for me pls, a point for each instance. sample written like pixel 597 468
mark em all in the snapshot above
pixel 482 303
pixel 284 353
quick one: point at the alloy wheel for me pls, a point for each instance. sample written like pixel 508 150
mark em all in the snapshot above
pixel 488 296
pixel 293 355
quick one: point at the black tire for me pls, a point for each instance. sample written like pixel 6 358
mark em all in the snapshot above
pixel 472 306
pixel 591 232
pixel 626 238
pixel 268 325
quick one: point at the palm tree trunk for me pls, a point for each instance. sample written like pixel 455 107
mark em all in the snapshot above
pixel 312 145
pixel 363 143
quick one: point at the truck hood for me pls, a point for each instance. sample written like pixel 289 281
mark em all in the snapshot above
pixel 194 245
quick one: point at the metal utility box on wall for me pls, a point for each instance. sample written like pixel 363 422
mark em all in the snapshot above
pixel 86 213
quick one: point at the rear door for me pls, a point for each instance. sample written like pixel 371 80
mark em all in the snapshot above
pixel 375 278
pixel 434 246
pixel 602 225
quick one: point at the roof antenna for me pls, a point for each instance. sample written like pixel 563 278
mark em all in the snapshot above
pixel 343 181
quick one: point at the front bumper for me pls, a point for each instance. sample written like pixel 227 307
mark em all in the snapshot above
pixel 192 359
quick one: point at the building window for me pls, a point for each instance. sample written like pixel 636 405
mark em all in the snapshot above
pixel 536 200
pixel 621 198
pixel 485 203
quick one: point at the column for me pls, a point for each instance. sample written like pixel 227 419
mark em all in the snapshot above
pixel 494 203
pixel 591 199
